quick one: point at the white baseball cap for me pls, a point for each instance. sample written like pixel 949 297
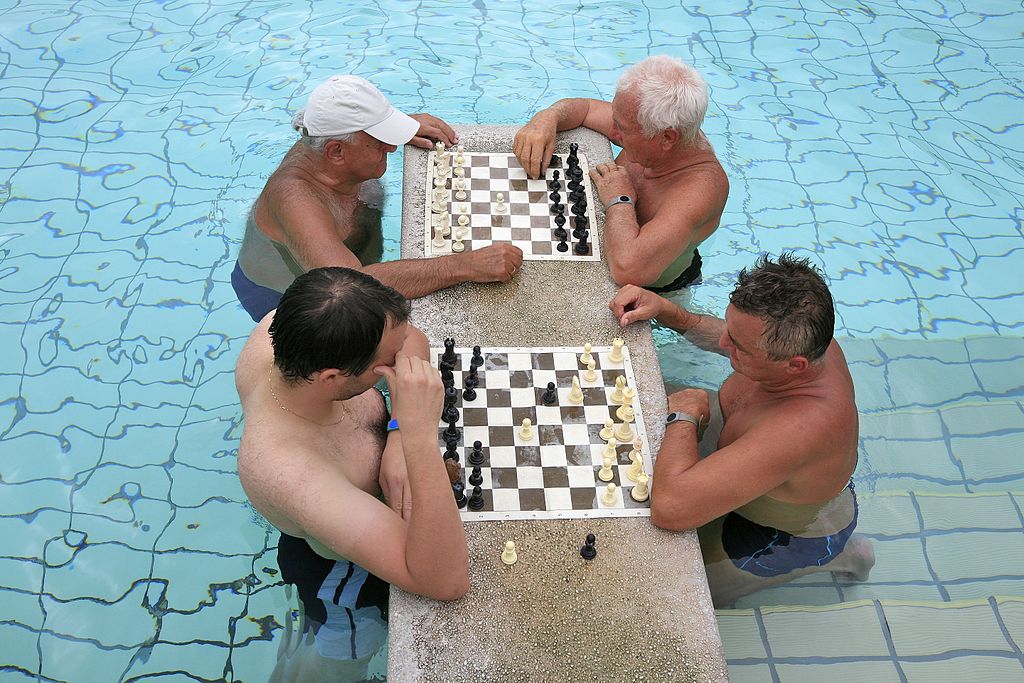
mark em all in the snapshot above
pixel 345 104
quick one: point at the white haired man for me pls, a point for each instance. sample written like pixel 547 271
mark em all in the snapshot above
pixel 665 192
pixel 322 206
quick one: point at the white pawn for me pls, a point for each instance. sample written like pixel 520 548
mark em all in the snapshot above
pixel 501 208
pixel 610 497
pixel 610 450
pixel 623 432
pixel 508 555
pixel 439 241
pixel 463 219
pixel 636 466
pixel 586 357
pixel 458 246
pixel 461 232
pixel 616 355
pixel 590 375
pixel 606 473
pixel 464 209
pixel 439 182
pixel 460 186
pixel 606 433
pixel 460 172
pixel 575 393
pixel 459 160
pixel 626 413
pixel 460 149
pixel 620 385
pixel 641 491
pixel 526 432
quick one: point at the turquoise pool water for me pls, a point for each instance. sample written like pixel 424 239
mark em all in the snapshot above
pixel 882 140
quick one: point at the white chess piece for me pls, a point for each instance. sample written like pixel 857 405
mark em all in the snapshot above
pixel 439 182
pixel 606 473
pixel 627 405
pixel 642 490
pixel 526 432
pixel 460 171
pixel 460 186
pixel 616 355
pixel 606 433
pixel 446 223
pixel 610 449
pixel 458 246
pixel 439 147
pixel 459 160
pixel 460 149
pixel 501 208
pixel 623 432
pixel 439 242
pixel 620 385
pixel 626 414
pixel 464 208
pixel 590 375
pixel 610 497
pixel 586 357
pixel 575 393
pixel 461 232
pixel 636 457
pixel 508 555
pixel 463 219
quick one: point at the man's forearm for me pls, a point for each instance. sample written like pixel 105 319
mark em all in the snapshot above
pixel 568 113
pixel 413 278
pixel 703 331
pixel 679 452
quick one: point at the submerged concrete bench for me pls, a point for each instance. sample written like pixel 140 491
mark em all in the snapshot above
pixel 640 611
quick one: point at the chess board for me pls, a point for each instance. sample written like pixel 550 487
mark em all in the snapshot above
pixel 528 221
pixel 554 474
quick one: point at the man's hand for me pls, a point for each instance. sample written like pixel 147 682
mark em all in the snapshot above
pixel 431 130
pixel 416 395
pixel 394 477
pixel 495 263
pixel 611 181
pixel 632 304
pixel 691 401
pixel 535 143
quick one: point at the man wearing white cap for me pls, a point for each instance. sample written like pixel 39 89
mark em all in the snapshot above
pixel 322 206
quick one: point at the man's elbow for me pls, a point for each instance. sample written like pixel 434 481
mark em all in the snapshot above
pixel 631 272
pixel 670 517
pixel 452 589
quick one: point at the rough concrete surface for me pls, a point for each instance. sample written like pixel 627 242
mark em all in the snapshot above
pixel 640 611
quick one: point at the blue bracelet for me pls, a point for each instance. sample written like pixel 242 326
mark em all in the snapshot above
pixel 393 425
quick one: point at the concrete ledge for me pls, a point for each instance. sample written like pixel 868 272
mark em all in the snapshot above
pixel 641 610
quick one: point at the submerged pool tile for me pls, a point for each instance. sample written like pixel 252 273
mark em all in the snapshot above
pixel 928 459
pixel 992 456
pixel 995 511
pixel 740 634
pixel 968 668
pixel 917 425
pixel 870 590
pixel 899 560
pixel 920 630
pixel 887 515
pixel 19 649
pixel 982 417
pixel 929 383
pixel 977 554
pixel 840 672
pixel 1011 610
pixel 975 590
pixel 789 594
pixel 840 631
pixel 89 619
pixel 749 673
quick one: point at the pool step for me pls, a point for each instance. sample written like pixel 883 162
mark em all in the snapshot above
pixel 877 640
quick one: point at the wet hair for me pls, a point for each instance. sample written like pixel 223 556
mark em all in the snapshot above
pixel 332 318
pixel 670 94
pixel 792 299
pixel 317 142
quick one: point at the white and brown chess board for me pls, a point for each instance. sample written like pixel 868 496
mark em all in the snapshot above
pixel 555 473
pixel 527 220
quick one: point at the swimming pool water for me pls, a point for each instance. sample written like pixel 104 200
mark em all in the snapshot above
pixel 882 140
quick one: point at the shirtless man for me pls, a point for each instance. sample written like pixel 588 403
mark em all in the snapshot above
pixel 665 192
pixel 316 452
pixel 322 206
pixel 768 485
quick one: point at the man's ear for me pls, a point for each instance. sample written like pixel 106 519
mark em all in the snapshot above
pixel 669 138
pixel 334 151
pixel 797 364
pixel 329 376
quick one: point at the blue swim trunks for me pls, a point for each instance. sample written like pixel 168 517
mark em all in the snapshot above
pixel 257 300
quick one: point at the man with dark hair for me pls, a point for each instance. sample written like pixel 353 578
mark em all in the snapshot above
pixel 317 450
pixel 322 206
pixel 762 467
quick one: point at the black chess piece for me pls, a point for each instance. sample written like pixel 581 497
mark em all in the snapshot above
pixel 589 550
pixel 451 442
pixel 563 245
pixel 555 162
pixel 448 357
pixel 451 396
pixel 574 150
pixel 478 358
pixel 447 377
pixel 558 208
pixel 452 452
pixel 582 248
pixel 555 184
pixel 577 232
pixel 579 208
pixel 476 478
pixel 452 431
pixel 559 219
pixel 581 222
pixel 476 501
pixel 459 489
pixel 472 379
pixel 469 394
pixel 560 233
pixel 550 396
pixel 476 456
pixel 451 413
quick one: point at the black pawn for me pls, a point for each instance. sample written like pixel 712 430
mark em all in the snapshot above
pixel 451 442
pixel 476 478
pixel 558 208
pixel 450 395
pixel 452 453
pixel 459 489
pixel 452 432
pixel 562 245
pixel 476 456
pixel 560 219
pixel 588 551
pixel 472 380
pixel 550 396
pixel 582 248
pixel 469 394
pixel 476 501
pixel 554 183
pixel 478 359
pixel 560 234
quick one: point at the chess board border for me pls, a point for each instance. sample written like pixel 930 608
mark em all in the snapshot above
pixel 595 248
pixel 639 427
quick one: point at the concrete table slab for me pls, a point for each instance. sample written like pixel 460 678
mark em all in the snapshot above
pixel 640 611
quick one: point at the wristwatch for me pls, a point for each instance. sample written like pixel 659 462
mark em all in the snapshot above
pixel 621 199
pixel 700 423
